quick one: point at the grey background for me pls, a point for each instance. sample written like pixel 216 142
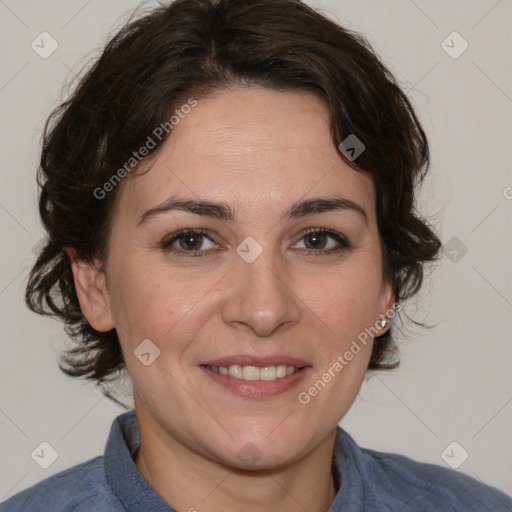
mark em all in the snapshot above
pixel 454 381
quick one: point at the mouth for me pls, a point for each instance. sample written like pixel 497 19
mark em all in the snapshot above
pixel 256 377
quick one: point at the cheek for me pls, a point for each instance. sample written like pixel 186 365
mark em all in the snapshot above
pixel 146 302
pixel 346 301
pixel 152 301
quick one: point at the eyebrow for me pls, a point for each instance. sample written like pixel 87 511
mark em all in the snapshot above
pixel 224 212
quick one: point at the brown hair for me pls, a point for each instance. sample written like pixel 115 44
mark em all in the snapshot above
pixel 191 48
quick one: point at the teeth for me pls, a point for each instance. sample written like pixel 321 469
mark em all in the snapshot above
pixel 281 371
pixel 268 373
pixel 236 370
pixel 251 373
pixel 247 372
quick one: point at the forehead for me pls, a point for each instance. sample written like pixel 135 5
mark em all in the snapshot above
pixel 257 148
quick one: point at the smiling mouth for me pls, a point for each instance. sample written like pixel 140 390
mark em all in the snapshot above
pixel 251 373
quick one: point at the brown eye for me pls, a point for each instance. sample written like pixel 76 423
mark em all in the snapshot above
pixel 316 240
pixel 188 241
pixel 323 241
pixel 191 240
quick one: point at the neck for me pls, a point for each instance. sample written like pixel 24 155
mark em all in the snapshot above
pixel 188 480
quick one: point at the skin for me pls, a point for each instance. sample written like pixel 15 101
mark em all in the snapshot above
pixel 259 151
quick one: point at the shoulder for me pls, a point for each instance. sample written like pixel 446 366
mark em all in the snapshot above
pixel 81 488
pixel 429 487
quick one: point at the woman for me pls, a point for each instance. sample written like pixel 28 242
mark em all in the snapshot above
pixel 229 199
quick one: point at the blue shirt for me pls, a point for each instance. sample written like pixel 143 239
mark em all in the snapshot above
pixel 371 481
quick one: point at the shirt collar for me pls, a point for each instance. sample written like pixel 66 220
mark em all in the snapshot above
pixel 122 474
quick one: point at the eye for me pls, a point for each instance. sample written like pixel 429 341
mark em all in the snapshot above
pixel 317 241
pixel 190 241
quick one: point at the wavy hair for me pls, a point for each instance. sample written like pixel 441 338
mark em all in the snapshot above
pixel 191 48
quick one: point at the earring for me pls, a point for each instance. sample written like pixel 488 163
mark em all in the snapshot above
pixel 383 322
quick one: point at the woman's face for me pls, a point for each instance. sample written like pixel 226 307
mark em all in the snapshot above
pixel 255 288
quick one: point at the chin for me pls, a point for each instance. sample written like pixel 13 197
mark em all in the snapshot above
pixel 259 450
pixel 252 458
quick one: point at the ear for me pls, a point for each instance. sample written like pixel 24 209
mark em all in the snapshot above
pixel 386 305
pixel 92 293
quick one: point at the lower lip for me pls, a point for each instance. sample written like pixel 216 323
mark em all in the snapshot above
pixel 257 388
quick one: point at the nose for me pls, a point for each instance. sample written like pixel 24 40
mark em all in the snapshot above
pixel 261 296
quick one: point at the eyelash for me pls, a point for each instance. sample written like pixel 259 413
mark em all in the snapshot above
pixel 167 243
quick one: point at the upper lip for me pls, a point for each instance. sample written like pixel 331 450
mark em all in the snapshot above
pixel 246 360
